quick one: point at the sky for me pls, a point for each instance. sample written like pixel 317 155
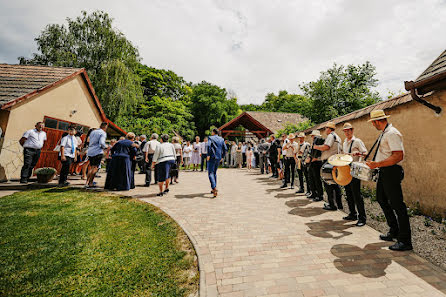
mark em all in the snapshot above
pixel 253 47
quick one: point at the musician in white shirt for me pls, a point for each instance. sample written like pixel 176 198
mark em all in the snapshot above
pixel 32 142
pixel 331 146
pixel 388 188
pixel 355 147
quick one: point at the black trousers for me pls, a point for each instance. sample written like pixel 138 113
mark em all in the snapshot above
pixel 243 159
pixel 315 177
pixel 30 159
pixel 65 170
pixel 306 172
pixel 203 160
pixel 263 163
pixel 300 173
pixel 142 166
pixel 149 170
pixel 334 193
pixel 257 157
pixel 273 161
pixel 354 199
pixel 390 197
pixel 290 170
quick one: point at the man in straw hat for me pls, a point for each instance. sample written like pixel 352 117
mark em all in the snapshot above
pixel 355 147
pixel 302 168
pixel 315 167
pixel 291 149
pixel 331 146
pixel 388 158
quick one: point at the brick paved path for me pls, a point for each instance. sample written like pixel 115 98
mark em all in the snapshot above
pixel 257 240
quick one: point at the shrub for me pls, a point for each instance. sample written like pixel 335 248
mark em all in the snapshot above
pixel 368 193
pixel 427 221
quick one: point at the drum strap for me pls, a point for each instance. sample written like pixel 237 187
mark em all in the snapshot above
pixel 378 141
pixel 351 145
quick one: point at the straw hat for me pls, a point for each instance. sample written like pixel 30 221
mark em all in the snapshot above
pixel 330 125
pixel 315 133
pixel 347 126
pixel 340 160
pixel 301 134
pixel 378 114
pixel 291 136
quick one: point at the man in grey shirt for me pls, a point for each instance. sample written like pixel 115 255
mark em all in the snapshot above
pixel 263 155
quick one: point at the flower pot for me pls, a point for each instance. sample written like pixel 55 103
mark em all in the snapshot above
pixel 45 178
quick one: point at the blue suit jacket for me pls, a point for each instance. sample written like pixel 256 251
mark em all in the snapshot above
pixel 216 147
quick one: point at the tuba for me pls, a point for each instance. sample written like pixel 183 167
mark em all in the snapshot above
pixel 341 168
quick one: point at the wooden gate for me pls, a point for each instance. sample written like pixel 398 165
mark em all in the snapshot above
pixel 49 157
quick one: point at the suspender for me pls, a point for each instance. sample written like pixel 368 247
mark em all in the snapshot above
pixel 351 145
pixel 378 141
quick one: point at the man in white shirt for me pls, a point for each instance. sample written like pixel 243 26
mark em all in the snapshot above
pixel 291 148
pixel 67 154
pixel 331 146
pixel 302 169
pixel 32 142
pixel 389 156
pixel 204 153
pixel 355 147
pixel 149 149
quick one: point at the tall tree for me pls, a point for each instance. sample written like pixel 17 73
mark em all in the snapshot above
pixel 90 41
pixel 341 90
pixel 210 105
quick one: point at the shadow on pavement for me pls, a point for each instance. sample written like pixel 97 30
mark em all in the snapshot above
pixel 192 196
pixel 284 196
pixel 301 211
pixel 145 195
pixel 372 261
pixel 324 227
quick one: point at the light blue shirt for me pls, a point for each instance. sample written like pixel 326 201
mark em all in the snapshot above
pixel 97 143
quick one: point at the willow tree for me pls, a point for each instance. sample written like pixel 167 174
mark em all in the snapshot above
pixel 90 41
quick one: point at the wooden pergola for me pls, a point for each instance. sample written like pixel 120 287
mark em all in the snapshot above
pixel 249 123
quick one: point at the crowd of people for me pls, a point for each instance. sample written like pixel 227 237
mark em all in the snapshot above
pixel 287 157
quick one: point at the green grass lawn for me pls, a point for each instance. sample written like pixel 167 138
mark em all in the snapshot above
pixel 66 242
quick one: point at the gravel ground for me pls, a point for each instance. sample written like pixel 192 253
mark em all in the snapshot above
pixel 429 241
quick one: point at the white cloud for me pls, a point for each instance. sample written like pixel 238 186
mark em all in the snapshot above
pixel 254 47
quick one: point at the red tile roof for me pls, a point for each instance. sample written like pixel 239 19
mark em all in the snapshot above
pixel 386 104
pixel 19 80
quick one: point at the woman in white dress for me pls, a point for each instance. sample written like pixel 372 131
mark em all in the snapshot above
pixel 196 158
pixel 187 154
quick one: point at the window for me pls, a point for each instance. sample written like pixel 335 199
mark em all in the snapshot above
pixel 51 123
pixel 63 126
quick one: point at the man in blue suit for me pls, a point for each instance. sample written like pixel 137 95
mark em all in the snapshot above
pixel 216 152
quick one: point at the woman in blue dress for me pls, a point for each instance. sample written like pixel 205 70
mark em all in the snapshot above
pixel 120 175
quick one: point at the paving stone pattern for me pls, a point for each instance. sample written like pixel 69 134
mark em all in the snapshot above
pixel 258 240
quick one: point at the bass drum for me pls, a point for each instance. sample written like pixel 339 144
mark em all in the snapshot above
pixel 327 173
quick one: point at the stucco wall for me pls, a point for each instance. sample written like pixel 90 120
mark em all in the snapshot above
pixel 57 102
pixel 424 134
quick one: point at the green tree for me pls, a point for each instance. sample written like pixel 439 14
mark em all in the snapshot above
pixel 160 115
pixel 285 102
pixel 210 106
pixel 90 41
pixel 341 90
pixel 294 128
pixel 163 83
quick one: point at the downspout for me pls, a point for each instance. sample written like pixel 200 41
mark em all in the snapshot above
pixel 413 92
